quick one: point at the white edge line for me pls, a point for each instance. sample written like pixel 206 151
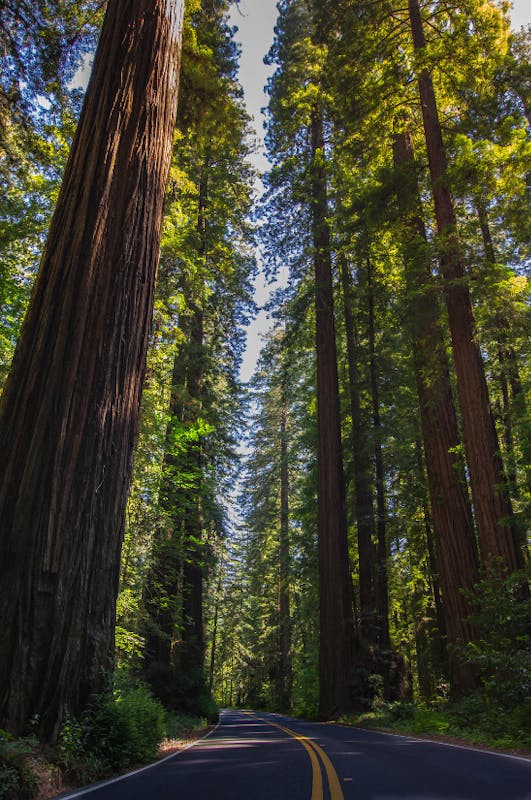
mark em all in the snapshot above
pixel 102 784
pixel 478 749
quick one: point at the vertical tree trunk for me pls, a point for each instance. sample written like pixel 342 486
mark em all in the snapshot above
pixel 335 607
pixel 382 590
pixel 491 502
pixel 68 418
pixel 451 513
pixel 362 471
pixel 432 565
pixel 191 651
pixel 284 667
pixel 191 654
pixel 214 645
pixel 162 589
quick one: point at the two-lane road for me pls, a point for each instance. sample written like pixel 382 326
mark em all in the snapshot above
pixel 259 756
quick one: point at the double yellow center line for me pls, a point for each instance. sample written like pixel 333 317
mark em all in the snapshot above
pixel 315 752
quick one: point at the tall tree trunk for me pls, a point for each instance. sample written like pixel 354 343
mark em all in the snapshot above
pixel 162 588
pixel 456 558
pixel 68 418
pixel 382 589
pixel 191 654
pixel 214 645
pixel 432 565
pixel 335 607
pixel 284 666
pixel 362 469
pixel 491 503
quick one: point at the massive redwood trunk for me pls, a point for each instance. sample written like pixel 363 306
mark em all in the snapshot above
pixel 456 556
pixel 491 501
pixel 335 603
pixel 68 418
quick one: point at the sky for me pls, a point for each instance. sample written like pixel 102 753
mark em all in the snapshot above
pixel 255 20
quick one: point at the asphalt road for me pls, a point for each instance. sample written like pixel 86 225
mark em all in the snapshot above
pixel 259 756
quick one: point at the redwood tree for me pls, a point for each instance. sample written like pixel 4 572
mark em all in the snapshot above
pixel 492 504
pixel 335 603
pixel 456 556
pixel 68 417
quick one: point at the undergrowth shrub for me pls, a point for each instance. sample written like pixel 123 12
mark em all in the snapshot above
pixel 74 755
pixel 399 711
pixel 502 656
pixel 125 727
pixel 120 729
pixel 183 693
pixel 180 726
pixel 17 779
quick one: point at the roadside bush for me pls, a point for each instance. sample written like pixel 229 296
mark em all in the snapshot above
pixel 126 727
pixel 477 715
pixel 502 656
pixel 188 694
pixel 120 729
pixel 17 780
pixel 181 726
pixel 398 711
pixel 73 755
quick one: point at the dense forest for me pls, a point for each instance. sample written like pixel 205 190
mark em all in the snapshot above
pixel 345 534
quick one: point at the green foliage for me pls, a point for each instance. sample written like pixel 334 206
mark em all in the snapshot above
pixel 182 690
pixel 475 719
pixel 182 726
pixel 17 779
pixel 502 655
pixel 73 754
pixel 118 730
pixel 480 716
pixel 126 727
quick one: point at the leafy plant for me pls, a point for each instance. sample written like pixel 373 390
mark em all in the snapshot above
pixel 17 779
pixel 126 727
pixel 502 656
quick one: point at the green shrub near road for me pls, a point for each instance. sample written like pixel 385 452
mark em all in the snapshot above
pixel 474 719
pixel 120 729
pixel 16 776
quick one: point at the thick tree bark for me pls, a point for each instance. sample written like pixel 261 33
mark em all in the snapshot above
pixel 362 471
pixel 491 502
pixel 456 555
pixel 335 606
pixel 68 419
